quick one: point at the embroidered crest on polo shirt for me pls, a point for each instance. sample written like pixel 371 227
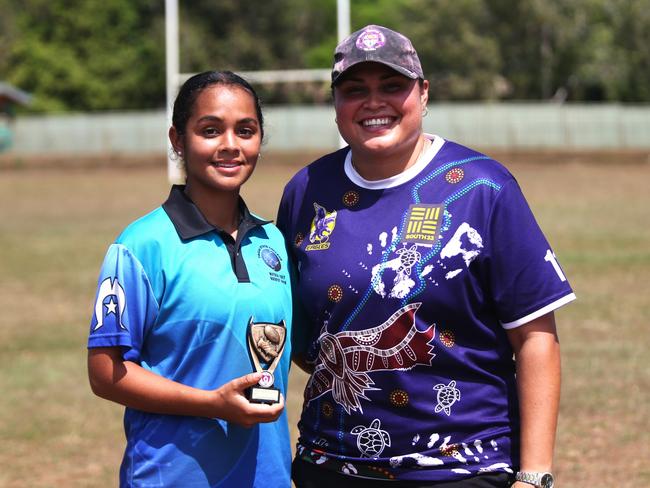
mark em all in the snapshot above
pixel 322 227
pixel 273 261
pixel 270 258
pixel 423 223
pixel 370 40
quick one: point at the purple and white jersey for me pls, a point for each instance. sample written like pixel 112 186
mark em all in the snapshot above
pixel 407 286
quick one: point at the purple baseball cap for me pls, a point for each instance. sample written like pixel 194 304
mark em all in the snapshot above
pixel 380 45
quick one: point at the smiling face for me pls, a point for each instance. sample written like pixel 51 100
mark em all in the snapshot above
pixel 221 140
pixel 379 113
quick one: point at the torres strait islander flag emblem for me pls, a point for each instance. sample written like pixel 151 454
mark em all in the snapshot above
pixel 111 300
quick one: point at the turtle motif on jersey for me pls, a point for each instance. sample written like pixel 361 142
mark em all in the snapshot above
pixel 447 396
pixel 346 359
pixel 408 258
pixel 371 441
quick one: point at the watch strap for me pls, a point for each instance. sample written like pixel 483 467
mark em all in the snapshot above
pixel 532 478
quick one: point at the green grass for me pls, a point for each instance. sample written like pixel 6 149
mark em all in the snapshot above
pixel 55 226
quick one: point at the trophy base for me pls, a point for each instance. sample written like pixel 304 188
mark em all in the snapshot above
pixel 258 394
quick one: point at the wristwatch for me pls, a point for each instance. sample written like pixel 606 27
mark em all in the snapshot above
pixel 539 480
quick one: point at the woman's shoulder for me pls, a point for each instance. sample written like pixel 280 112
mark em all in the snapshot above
pixel 274 237
pixel 269 227
pixel 322 166
pixel 455 155
pixel 146 230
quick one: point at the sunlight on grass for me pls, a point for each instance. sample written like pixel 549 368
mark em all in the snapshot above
pixel 56 225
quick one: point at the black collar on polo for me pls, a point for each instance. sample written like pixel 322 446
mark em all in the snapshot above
pixel 189 222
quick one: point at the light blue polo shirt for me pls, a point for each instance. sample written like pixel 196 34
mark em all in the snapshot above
pixel 177 295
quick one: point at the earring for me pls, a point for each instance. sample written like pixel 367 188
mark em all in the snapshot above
pixel 425 112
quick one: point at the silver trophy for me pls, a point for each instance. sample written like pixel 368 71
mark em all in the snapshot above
pixel 266 343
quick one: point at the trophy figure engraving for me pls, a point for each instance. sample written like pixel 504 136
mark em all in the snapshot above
pixel 266 343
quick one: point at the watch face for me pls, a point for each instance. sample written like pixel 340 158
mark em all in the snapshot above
pixel 547 481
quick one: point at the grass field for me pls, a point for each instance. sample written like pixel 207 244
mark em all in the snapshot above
pixel 55 225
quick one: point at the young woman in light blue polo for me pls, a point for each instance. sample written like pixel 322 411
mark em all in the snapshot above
pixel 176 294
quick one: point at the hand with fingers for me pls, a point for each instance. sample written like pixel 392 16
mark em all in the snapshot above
pixel 232 405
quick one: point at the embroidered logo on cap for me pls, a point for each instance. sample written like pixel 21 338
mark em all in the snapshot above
pixel 370 40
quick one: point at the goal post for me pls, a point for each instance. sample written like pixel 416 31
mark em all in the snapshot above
pixel 174 78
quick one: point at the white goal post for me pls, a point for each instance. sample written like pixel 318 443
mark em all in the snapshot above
pixel 175 78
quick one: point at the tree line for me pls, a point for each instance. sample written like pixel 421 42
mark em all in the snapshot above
pixel 89 55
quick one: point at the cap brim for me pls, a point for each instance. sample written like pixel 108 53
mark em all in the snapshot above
pixel 401 70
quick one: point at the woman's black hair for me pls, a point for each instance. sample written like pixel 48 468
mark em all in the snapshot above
pixel 184 103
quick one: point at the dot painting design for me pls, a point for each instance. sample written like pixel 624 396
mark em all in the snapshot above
pixel 335 293
pixel 447 338
pixel 387 474
pixel 384 258
pixel 454 175
pixel 449 200
pixel 327 409
pixel 415 193
pixel 399 398
pixel 351 198
pixel 450 450
pixel 416 189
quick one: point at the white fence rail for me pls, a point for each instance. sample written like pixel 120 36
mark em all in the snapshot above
pixel 529 125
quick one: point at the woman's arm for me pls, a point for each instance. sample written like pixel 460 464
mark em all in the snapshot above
pixel 537 356
pixel 129 384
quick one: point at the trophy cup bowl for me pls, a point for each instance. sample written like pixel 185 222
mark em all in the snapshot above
pixel 266 343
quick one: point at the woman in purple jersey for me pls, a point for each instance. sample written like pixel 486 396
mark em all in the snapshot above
pixel 421 272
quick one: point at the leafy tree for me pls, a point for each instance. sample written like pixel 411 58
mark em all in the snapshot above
pixel 632 38
pixel 101 55
pixel 8 34
pixel 276 34
pixel 89 54
pixel 457 48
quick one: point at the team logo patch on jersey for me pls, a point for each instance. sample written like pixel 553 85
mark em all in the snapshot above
pixel 111 300
pixel 322 227
pixel 273 261
pixel 423 223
